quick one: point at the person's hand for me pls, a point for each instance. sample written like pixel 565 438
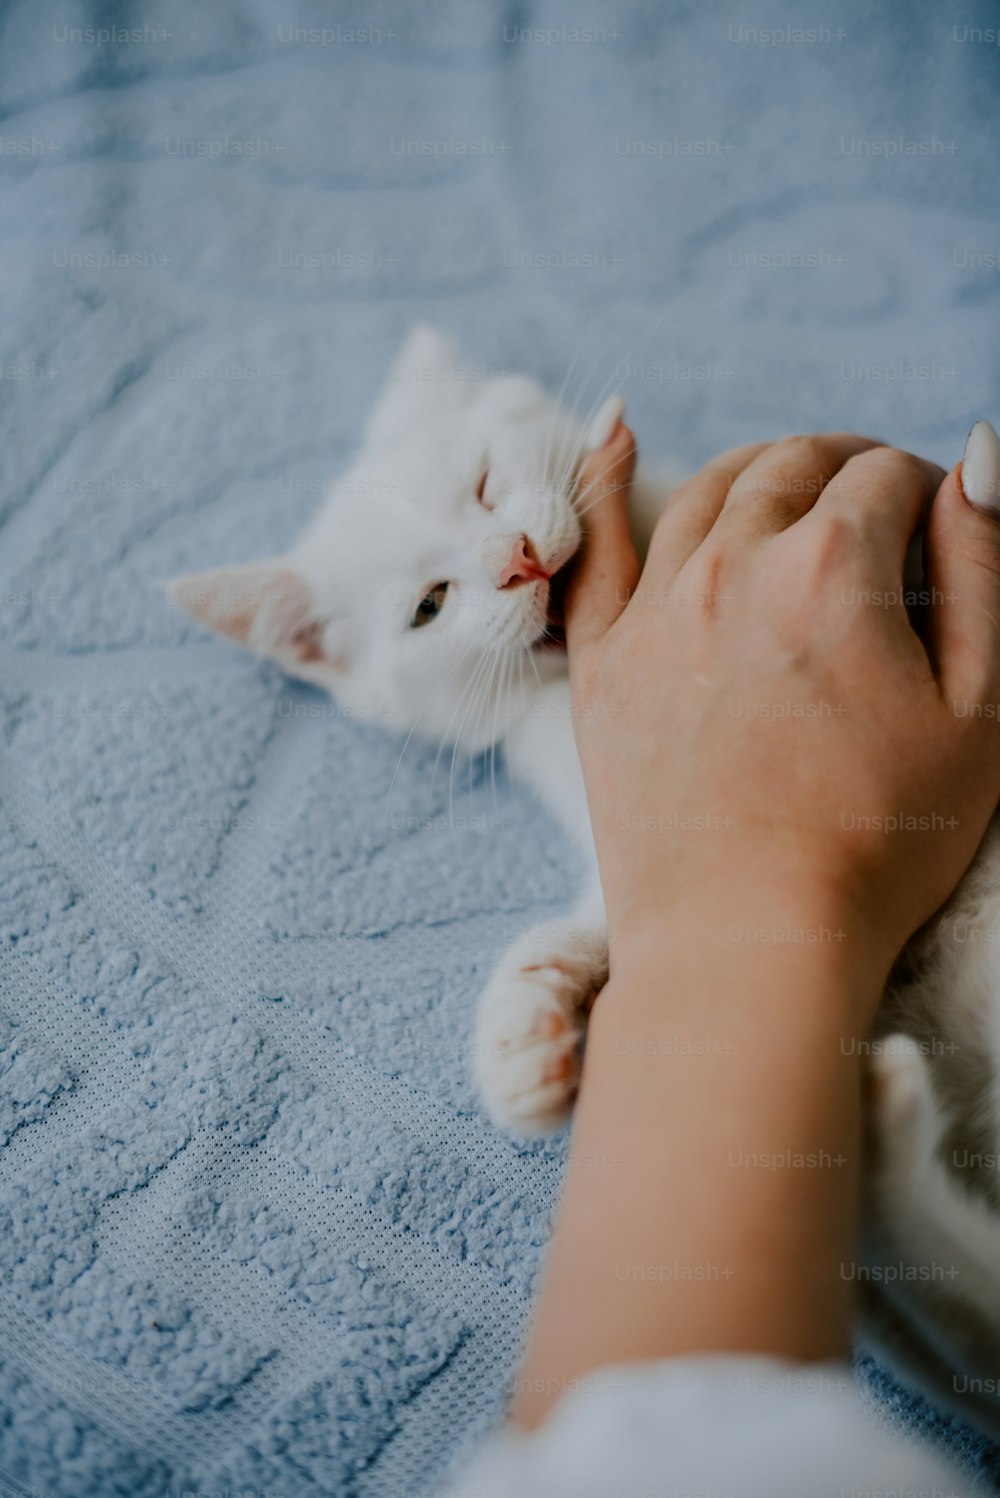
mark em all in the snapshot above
pixel 763 734
pixel 774 761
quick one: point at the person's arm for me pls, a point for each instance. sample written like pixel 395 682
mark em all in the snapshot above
pixel 723 1113
pixel 771 721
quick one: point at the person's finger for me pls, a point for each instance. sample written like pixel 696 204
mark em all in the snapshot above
pixel 883 495
pixel 693 509
pixel 962 551
pixel 606 573
pixel 784 482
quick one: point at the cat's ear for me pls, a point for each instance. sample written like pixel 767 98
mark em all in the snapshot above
pixel 420 375
pixel 266 606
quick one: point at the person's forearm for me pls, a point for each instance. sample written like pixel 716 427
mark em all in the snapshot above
pixel 712 1182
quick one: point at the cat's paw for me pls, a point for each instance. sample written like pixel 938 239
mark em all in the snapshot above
pixel 531 1022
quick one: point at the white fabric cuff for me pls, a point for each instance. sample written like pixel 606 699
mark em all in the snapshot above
pixel 711 1427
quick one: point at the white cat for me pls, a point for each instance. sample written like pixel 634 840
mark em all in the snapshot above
pixel 420 597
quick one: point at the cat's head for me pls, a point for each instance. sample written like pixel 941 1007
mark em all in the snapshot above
pixel 422 587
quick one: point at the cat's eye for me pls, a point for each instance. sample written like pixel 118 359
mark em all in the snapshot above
pixel 429 606
pixel 481 490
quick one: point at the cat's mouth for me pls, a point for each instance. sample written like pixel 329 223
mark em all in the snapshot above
pixel 553 634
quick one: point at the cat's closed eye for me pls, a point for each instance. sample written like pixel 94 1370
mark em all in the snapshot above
pixel 429 606
pixel 481 490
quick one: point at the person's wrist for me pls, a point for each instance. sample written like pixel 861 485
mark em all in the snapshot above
pixel 708 938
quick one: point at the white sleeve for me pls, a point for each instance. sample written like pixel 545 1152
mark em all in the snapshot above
pixel 735 1426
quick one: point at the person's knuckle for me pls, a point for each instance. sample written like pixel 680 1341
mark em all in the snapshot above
pixel 803 448
pixel 911 467
pixel 733 460
pixel 839 532
pixel 798 465
pixel 890 465
pixel 705 581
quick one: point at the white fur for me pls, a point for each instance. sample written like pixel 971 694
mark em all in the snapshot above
pixel 934 1174
pixel 336 611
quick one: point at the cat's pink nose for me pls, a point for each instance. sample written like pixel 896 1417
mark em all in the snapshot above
pixel 522 565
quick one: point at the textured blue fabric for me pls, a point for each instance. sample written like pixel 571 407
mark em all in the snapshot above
pixel 254 1233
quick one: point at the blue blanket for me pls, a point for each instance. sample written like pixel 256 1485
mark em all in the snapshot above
pixel 254 1233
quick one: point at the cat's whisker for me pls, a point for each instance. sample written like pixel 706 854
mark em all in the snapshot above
pixel 477 706
pixel 580 448
pixel 500 711
pixel 596 484
pixel 467 692
pixel 531 658
pixel 493 743
pixel 489 659
pixel 615 379
pixel 574 444
pixel 565 425
pixel 557 409
pixel 473 714
pixel 399 763
pixel 579 432
pixel 497 697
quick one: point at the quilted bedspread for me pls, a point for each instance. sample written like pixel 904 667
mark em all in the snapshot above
pixel 254 1233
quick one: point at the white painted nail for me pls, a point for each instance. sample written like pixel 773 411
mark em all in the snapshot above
pixel 605 422
pixel 981 468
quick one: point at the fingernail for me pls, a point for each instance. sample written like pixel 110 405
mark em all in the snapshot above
pixel 605 422
pixel 981 468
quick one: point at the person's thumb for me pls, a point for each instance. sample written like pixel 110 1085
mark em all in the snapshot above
pixel 962 555
pixel 606 574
